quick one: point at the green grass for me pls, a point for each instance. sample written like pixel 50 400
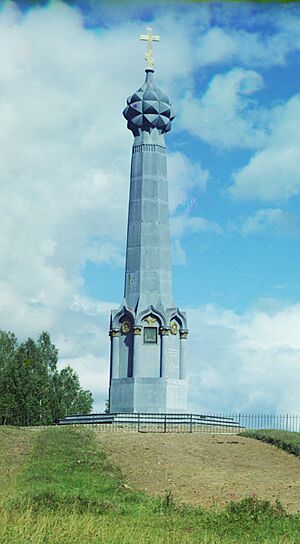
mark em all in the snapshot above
pixel 15 446
pixel 67 470
pixel 68 492
pixel 284 440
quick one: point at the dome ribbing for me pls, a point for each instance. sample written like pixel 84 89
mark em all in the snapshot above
pixel 148 108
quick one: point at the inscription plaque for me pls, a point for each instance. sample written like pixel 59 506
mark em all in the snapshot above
pixel 150 335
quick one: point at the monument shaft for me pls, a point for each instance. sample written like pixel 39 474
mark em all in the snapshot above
pixel 148 278
pixel 148 332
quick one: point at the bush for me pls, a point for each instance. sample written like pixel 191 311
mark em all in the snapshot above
pixel 255 508
pixel 285 440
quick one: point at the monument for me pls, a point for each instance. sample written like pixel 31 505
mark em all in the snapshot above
pixel 148 332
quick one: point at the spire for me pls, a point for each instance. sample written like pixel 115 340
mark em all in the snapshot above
pixel 148 107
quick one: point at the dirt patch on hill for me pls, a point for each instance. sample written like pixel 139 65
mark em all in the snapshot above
pixel 205 470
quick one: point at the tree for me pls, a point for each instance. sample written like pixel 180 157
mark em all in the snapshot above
pixel 32 390
pixel 68 396
pixel 8 346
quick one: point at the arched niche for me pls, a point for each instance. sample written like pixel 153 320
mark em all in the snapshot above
pixel 151 312
pixel 150 322
pixel 115 321
pixel 126 345
pixel 179 317
pixel 175 324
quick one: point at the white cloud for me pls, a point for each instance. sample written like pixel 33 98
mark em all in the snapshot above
pixel 93 376
pixel 178 253
pixel 274 173
pixel 225 116
pixel 244 363
pixel 181 224
pixel 215 46
pixel 270 220
pixel 255 49
pixel 65 160
pixel 216 33
pixel 184 178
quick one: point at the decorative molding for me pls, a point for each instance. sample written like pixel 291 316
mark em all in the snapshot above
pixel 114 332
pixel 173 327
pixel 123 312
pixel 183 334
pixel 150 320
pixel 137 331
pixel 152 312
pixel 164 331
pixel 148 147
pixel 180 317
pixel 126 327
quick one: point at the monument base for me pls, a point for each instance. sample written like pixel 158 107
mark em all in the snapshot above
pixel 156 395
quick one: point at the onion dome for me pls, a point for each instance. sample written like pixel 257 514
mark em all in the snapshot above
pixel 148 108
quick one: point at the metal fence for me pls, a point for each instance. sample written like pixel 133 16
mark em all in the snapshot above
pixel 184 423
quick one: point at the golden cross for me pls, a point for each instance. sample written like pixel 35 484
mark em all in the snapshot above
pixel 149 38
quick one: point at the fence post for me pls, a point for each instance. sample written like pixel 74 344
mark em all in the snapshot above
pixel 191 423
pixel 165 423
pixel 138 422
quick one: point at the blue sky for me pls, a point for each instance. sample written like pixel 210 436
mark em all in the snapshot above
pixel 232 73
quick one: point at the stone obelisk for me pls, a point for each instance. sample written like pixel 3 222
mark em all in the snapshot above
pixel 148 332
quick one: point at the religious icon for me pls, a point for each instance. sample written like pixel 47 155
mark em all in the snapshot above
pixel 125 327
pixel 173 327
pixel 150 335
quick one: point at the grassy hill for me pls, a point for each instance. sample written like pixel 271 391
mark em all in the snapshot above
pixel 59 487
pixel 285 440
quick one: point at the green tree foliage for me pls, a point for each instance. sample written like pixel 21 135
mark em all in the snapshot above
pixel 32 389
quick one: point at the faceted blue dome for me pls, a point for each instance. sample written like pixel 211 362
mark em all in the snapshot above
pixel 148 108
